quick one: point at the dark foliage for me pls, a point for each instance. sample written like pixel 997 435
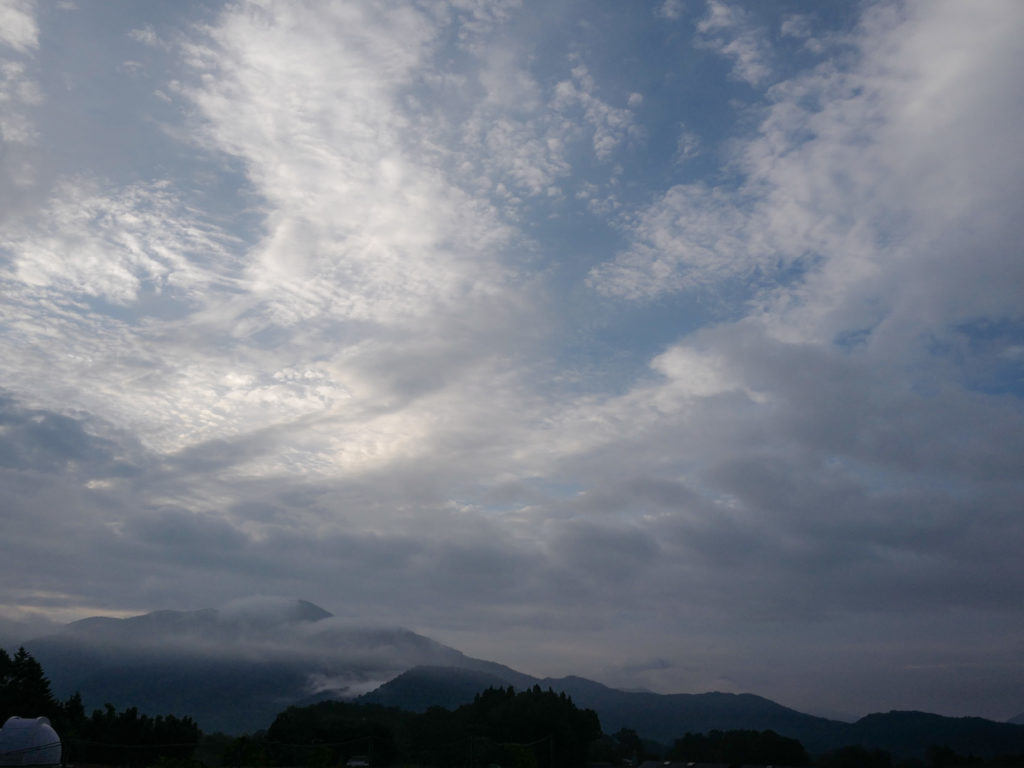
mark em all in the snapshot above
pixel 854 756
pixel 530 729
pixel 129 738
pixel 623 747
pixel 24 689
pixel 330 733
pixel 909 734
pixel 737 747
pixel 944 757
pixel 248 751
pixel 108 737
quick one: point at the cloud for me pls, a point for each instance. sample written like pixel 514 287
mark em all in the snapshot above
pixel 18 28
pixel 692 237
pixel 382 237
pixel 520 137
pixel 362 237
pixel 19 91
pixel 670 9
pixel 728 29
pixel 836 186
pixel 116 246
pixel 611 125
pixel 687 146
pixel 396 307
pixel 47 442
pixel 145 35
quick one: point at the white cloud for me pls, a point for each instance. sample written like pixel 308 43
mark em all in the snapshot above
pixel 18 28
pixel 611 125
pixel 357 227
pixel 524 155
pixel 670 9
pixel 129 290
pixel 866 176
pixel 373 266
pixel 87 243
pixel 687 146
pixel 145 35
pixel 522 136
pixel 798 25
pixel 728 30
pixel 19 91
pixel 692 237
pixel 908 156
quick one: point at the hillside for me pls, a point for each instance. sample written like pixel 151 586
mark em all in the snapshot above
pixel 665 717
pixel 656 716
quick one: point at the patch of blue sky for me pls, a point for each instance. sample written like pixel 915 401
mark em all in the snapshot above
pixel 609 342
pixel 109 116
pixel 852 339
pixel 989 353
pixel 149 303
pixel 91 115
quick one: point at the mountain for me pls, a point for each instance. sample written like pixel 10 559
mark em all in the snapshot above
pixel 910 733
pixel 420 688
pixel 666 717
pixel 234 669
pixel 662 717
pixel 231 669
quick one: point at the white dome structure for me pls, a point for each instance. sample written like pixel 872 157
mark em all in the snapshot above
pixel 29 741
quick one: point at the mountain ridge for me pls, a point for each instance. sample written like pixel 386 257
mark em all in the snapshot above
pixel 657 716
pixel 665 717
pixel 234 669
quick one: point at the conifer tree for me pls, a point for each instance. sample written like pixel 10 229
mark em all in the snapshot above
pixel 24 688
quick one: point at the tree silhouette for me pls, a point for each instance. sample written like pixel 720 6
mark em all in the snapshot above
pixel 24 689
pixel 738 747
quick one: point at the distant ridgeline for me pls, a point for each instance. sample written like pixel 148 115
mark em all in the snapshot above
pixel 531 728
pixel 665 717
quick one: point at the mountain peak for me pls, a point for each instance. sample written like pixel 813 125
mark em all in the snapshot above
pixel 273 610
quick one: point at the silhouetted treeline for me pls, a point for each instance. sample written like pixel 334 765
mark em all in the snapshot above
pixel 738 747
pixel 856 756
pixel 24 689
pixel 129 738
pixel 624 747
pixel 529 729
pixel 108 737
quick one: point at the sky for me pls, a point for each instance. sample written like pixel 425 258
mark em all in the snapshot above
pixel 678 345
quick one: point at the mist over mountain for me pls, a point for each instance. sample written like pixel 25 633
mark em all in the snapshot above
pixel 232 668
pixel 235 668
